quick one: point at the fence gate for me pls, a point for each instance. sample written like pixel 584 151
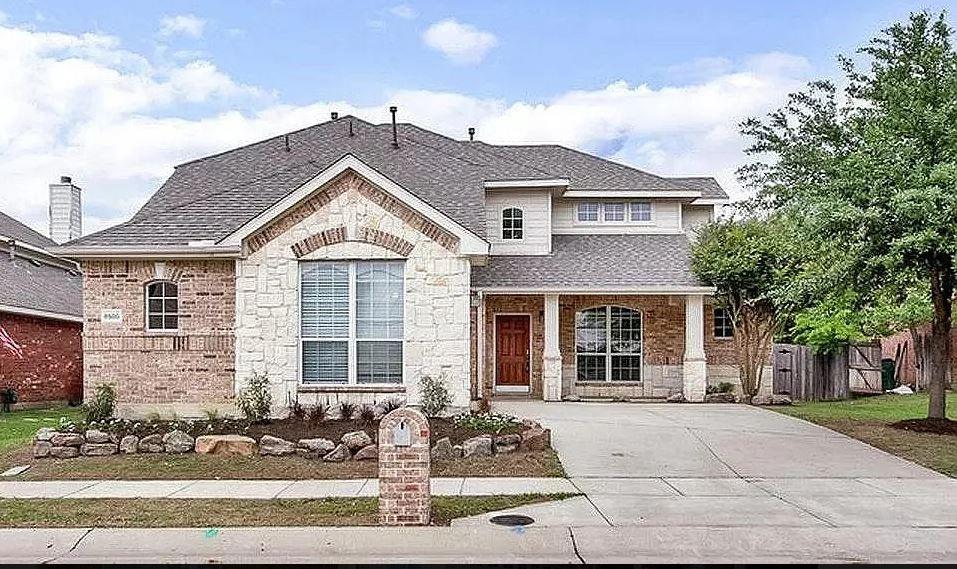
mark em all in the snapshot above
pixel 864 368
pixel 807 376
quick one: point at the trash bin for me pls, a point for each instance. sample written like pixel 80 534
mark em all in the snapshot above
pixel 887 374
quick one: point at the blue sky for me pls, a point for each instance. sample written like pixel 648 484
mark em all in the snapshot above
pixel 117 93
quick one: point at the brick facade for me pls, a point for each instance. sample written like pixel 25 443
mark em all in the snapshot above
pixel 194 364
pixel 404 493
pixel 52 366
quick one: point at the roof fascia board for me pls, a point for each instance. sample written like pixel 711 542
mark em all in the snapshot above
pixel 711 201
pixel 27 251
pixel 540 183
pixel 19 310
pixel 469 243
pixel 162 252
pixel 679 194
pixel 638 290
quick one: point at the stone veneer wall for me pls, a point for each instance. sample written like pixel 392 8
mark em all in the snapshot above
pixel 357 221
pixel 186 369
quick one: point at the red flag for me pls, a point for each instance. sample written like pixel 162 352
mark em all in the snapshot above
pixel 9 343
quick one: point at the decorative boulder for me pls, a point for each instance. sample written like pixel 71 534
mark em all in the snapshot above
pixel 507 443
pixel 536 438
pixel 676 398
pixel 720 398
pixel 178 442
pixel 151 444
pixel 317 447
pixel 442 449
pixel 356 440
pixel 477 446
pixel 573 397
pixel 96 436
pixel 274 446
pixel 66 440
pixel 41 449
pixel 64 452
pixel 45 434
pixel 370 452
pixel 98 449
pixel 225 445
pixel 339 454
pixel 128 444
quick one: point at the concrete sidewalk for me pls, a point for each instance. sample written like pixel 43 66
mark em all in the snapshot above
pixel 478 545
pixel 270 489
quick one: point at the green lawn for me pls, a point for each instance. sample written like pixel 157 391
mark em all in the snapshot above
pixel 867 419
pixel 18 427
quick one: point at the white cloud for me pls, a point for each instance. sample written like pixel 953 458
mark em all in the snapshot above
pixel 462 44
pixel 185 24
pixel 403 11
pixel 82 105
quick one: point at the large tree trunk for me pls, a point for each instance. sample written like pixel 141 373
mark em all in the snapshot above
pixel 942 294
pixel 753 335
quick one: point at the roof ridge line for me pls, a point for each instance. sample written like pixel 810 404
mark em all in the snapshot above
pixel 603 159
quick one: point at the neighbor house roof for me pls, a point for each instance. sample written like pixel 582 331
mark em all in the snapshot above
pixel 209 198
pixel 13 229
pixel 625 262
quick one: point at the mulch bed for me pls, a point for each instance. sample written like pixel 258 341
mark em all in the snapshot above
pixel 293 429
pixel 934 426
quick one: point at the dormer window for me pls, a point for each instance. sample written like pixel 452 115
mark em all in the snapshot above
pixel 641 211
pixel 625 213
pixel 614 212
pixel 588 211
pixel 512 224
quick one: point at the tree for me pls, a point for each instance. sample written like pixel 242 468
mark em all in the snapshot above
pixel 750 262
pixel 872 171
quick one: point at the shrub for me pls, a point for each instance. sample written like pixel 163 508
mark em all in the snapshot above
pixel 347 410
pixel 367 414
pixel 153 417
pixel 212 415
pixel 297 410
pixel 435 395
pixel 485 422
pixel 318 413
pixel 723 387
pixel 255 400
pixel 103 403
pixel 390 405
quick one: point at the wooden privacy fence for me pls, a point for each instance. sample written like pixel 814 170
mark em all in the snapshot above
pixel 807 376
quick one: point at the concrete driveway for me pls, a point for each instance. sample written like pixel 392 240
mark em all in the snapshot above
pixel 728 466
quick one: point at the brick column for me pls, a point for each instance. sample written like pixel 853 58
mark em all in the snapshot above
pixel 404 495
pixel 694 367
pixel 552 355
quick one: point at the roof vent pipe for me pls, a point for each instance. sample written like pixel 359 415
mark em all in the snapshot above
pixel 285 141
pixel 334 115
pixel 351 132
pixel 395 131
pixel 471 133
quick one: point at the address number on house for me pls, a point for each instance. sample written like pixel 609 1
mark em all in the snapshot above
pixel 111 316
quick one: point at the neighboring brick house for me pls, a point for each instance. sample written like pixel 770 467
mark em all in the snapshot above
pixel 42 311
pixel 348 259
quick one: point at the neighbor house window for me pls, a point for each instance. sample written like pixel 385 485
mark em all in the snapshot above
pixel 162 306
pixel 588 211
pixel 608 344
pixel 641 211
pixel 511 223
pixel 351 321
pixel 723 328
pixel 614 212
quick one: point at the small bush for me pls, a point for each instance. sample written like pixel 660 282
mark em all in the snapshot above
pixel 297 410
pixel 318 413
pixel 103 403
pixel 390 405
pixel 347 410
pixel 723 387
pixel 255 400
pixel 367 414
pixel 485 422
pixel 435 395
pixel 211 415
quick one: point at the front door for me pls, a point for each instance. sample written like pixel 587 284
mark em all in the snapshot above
pixel 512 352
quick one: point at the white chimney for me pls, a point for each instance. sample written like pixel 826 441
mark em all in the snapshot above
pixel 66 221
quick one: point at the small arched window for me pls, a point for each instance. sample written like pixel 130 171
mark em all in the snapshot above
pixel 162 306
pixel 608 344
pixel 512 223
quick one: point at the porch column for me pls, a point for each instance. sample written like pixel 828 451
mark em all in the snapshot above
pixel 695 369
pixel 552 355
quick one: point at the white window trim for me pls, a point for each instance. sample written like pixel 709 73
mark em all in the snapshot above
pixel 627 221
pixel 502 224
pixel 651 213
pixel 626 213
pixel 352 350
pixel 581 221
pixel 608 354
pixel 146 308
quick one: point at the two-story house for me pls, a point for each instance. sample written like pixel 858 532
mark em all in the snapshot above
pixel 347 260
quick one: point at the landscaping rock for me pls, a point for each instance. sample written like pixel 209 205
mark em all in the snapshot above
pixel 225 445
pixel 151 444
pixel 442 449
pixel 96 436
pixel 775 399
pixel 571 397
pixel 64 452
pixel 318 447
pixel 721 398
pixel 676 398
pixel 536 438
pixel 356 440
pixel 457 451
pixel 128 444
pixel 41 449
pixel 45 434
pixel 369 452
pixel 339 454
pixel 178 442
pixel 66 440
pixel 507 443
pixel 98 449
pixel 477 446
pixel 274 446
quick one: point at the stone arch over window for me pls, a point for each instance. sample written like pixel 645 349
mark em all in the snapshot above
pixel 162 306
pixel 363 234
pixel 609 344
pixel 513 224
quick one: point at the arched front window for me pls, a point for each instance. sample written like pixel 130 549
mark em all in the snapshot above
pixel 512 223
pixel 608 344
pixel 162 306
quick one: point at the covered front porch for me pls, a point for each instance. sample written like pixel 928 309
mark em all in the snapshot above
pixel 560 345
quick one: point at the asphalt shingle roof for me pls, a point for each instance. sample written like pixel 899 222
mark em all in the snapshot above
pixel 40 286
pixel 209 198
pixel 12 228
pixel 595 261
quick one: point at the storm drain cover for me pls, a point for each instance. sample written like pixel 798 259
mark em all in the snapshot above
pixel 512 520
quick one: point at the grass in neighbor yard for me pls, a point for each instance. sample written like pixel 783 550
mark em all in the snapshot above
pixel 18 427
pixel 868 419
pixel 131 513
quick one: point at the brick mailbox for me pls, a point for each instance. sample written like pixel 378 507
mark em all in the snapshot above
pixel 404 496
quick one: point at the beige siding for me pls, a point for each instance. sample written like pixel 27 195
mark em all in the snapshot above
pixel 534 204
pixel 665 218
pixel 693 216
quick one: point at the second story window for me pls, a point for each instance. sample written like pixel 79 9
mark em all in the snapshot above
pixel 512 224
pixel 162 306
pixel 614 212
pixel 723 328
pixel 641 211
pixel 588 211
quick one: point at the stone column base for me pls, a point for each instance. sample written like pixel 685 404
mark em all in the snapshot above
pixel 552 378
pixel 695 379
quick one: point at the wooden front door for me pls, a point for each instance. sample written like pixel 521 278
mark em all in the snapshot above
pixel 512 351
